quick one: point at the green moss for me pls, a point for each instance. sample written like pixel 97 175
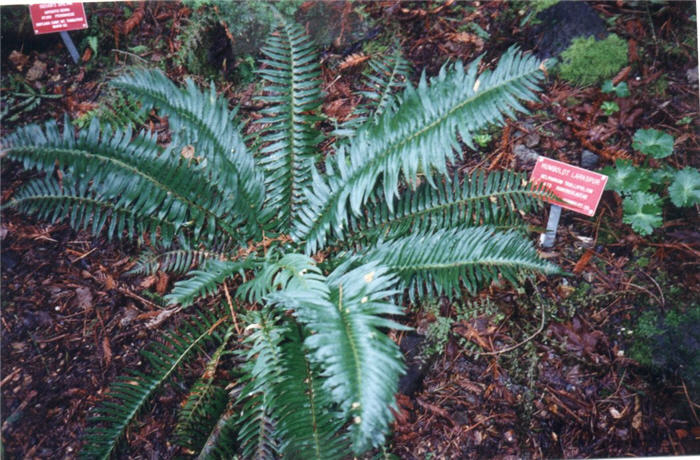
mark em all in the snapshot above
pixel 589 61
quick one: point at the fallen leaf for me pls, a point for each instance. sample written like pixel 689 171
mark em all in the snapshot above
pixel 353 61
pixel 36 71
pixel 18 59
pixel 615 413
pixel 83 298
pixel 162 283
pixel 106 351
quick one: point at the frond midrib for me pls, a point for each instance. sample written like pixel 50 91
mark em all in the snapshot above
pixel 374 162
pixel 394 218
pixel 129 168
pixel 151 387
pixel 74 198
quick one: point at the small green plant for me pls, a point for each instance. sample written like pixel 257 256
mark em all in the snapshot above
pixel 588 61
pixel 642 187
pixel 620 90
pixel 653 142
pixel 609 108
pixel 483 139
pixel 382 216
pixel 667 344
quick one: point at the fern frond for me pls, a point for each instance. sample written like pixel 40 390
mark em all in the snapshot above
pixel 361 365
pixel 132 171
pixel 130 393
pixel 419 138
pixel 177 261
pixel 387 75
pixel 115 109
pixel 308 422
pixel 84 209
pixel 207 280
pixel 204 122
pixel 441 262
pixel 291 269
pixel 497 199
pixel 293 92
pixel 204 404
pixel 263 369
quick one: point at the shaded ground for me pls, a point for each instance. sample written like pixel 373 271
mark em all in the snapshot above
pixel 72 320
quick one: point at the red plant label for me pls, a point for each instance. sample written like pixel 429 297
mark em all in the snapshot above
pixel 578 188
pixel 48 18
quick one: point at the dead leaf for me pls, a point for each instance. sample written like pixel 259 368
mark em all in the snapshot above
pixel 87 54
pixel 36 71
pixel 110 283
pixel 18 59
pixel 83 298
pixel 106 351
pixel 149 281
pixel 162 283
pixel 353 61
pixel 615 413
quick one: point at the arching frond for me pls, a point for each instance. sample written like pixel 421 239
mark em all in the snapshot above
pixel 128 395
pixel 204 404
pixel 441 262
pixel 84 209
pixel 293 94
pixel 419 138
pixel 207 280
pixel 178 261
pixel 497 199
pixel 307 419
pixel 387 75
pixel 294 269
pixel 204 122
pixel 132 171
pixel 257 435
pixel 360 363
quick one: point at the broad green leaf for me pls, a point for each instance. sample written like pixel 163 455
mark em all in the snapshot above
pixel 653 142
pixel 643 212
pixel 625 178
pixel 685 189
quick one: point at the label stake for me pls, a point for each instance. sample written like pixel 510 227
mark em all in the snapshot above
pixel 547 238
pixel 71 46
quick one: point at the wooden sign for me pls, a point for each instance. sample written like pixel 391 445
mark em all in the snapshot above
pixel 578 188
pixel 49 18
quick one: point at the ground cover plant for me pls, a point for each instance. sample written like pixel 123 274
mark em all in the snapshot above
pixel 384 218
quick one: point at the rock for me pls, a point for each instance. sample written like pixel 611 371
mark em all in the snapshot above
pixel 692 75
pixel 532 139
pixel 525 158
pixel 589 160
pixel 561 23
pixel 37 70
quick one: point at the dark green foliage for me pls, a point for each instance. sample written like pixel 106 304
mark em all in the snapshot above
pixel 318 372
pixel 129 394
pixel 668 344
pixel 204 405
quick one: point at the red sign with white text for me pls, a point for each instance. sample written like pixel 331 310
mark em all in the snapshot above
pixel 578 188
pixel 48 18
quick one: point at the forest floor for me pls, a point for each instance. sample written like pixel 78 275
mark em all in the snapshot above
pixel 555 368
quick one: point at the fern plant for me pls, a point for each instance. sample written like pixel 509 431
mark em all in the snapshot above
pixel 321 251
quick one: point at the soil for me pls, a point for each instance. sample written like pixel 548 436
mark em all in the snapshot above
pixel 73 318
